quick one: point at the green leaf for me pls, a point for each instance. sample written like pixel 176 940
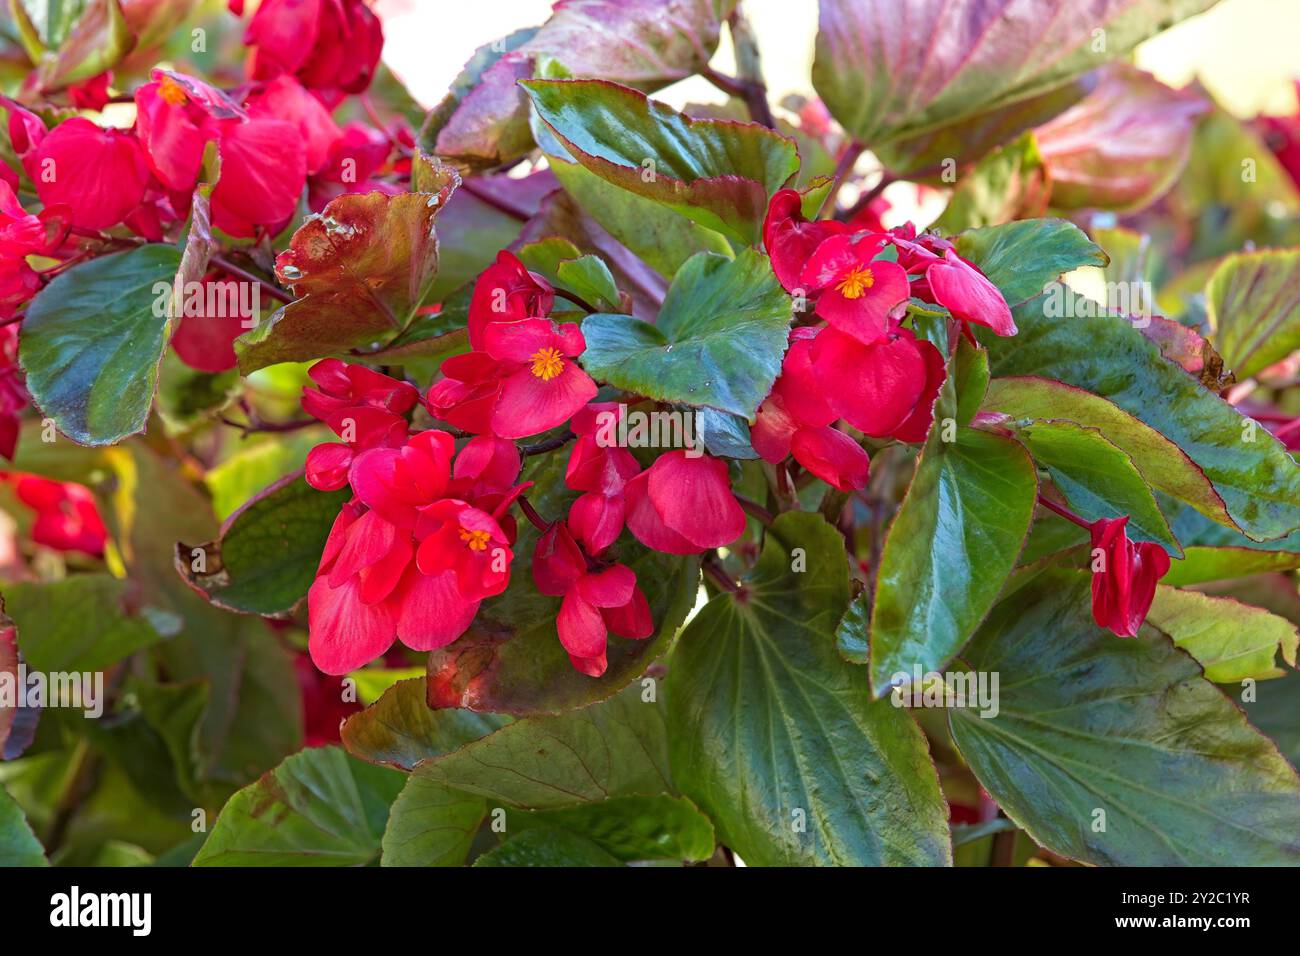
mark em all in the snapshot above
pixel 656 234
pixel 92 341
pixel 1202 564
pixel 431 825
pixel 971 379
pixel 716 173
pixel 1253 304
pixel 251 469
pixel 659 827
pixel 886 77
pixel 548 847
pixel 511 661
pixel 1098 478
pixel 1007 184
pixel 1257 480
pixel 320 807
pixel 612 748
pixel 1162 464
pixel 717 343
pixel 1089 722
pixel 955 539
pixel 18 844
pixel 401 730
pixel 769 729
pixel 83 623
pixel 1231 640
pixel 1273 709
pixel 1022 258
pixel 360 270
pixel 267 554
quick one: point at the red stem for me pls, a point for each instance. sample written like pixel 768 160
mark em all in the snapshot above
pixel 1063 511
pixel 538 522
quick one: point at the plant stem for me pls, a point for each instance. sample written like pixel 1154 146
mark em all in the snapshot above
pixel 750 67
pixel 274 291
pixel 577 300
pixel 719 576
pixel 542 447
pixel 538 522
pixel 1063 511
pixel 843 167
pixel 754 509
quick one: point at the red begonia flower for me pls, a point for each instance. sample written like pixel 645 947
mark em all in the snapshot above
pixel 363 407
pixel 456 536
pixel 544 386
pixel 399 482
pixel 324 706
pixel 207 342
pixel 1124 576
pixel 13 394
pixel 98 174
pixel 484 465
pixel 875 388
pixel 284 98
pixel 790 239
pixel 602 470
pixel 965 292
pixel 856 293
pixel 596 602
pixel 174 130
pixel 327 44
pixel 683 505
pixel 506 292
pixel 467 394
pixel 263 172
pixel 829 454
pixel 66 516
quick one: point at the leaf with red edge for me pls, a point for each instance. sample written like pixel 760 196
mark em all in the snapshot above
pixel 1123 145
pixel 1253 301
pixel 888 71
pixel 646 44
pixel 718 173
pixel 361 268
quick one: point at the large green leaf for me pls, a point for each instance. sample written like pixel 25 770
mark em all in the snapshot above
pixel 1022 257
pixel 613 748
pixel 18 844
pixel 1098 478
pixel 431 825
pixel 511 661
pixel 92 341
pixel 659 827
pixel 717 173
pixel 955 539
pixel 1231 640
pixel 266 556
pixel 886 76
pixel 1090 723
pixel 360 270
pixel 401 730
pixel 320 807
pixel 1163 464
pixel 83 623
pixel 717 343
pixel 776 738
pixel 1257 480
pixel 1253 304
pixel 548 846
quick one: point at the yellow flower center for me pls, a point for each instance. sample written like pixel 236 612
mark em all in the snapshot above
pixel 171 91
pixel 856 282
pixel 476 540
pixel 547 363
